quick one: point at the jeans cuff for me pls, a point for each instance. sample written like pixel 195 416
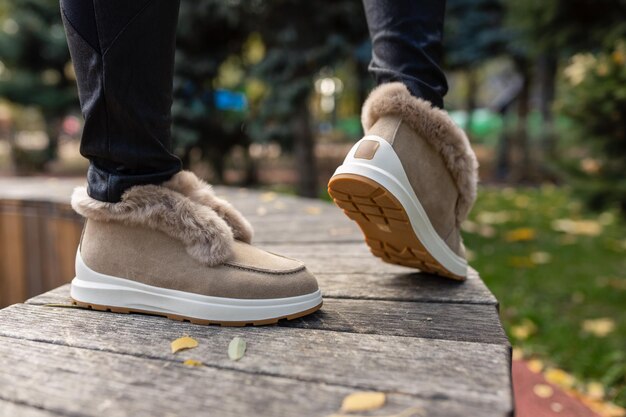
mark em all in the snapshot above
pixel 109 187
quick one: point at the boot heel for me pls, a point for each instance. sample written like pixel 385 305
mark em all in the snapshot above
pixel 373 190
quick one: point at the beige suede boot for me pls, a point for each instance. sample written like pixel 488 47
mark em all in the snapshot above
pixel 409 183
pixel 177 250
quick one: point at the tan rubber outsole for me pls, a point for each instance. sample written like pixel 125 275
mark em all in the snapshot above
pixel 384 223
pixel 123 310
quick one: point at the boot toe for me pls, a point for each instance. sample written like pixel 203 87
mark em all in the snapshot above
pixel 266 275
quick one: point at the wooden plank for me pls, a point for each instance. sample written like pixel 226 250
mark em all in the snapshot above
pixel 349 270
pixel 335 258
pixel 446 321
pixel 303 229
pixel 348 359
pixel 90 382
pixel 461 322
pixel 13 286
pixel 405 287
pixel 19 410
pixel 33 250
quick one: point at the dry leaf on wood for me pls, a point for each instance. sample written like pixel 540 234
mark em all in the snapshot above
pixel 192 362
pixel 236 348
pixel 362 401
pixel 543 391
pixel 182 343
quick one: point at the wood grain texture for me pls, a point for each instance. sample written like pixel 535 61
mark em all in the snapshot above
pixel 425 341
pixel 446 321
pixel 474 371
pixel 13 275
pixel 38 242
pixel 404 287
pixel 10 409
pixel 348 270
pixel 76 381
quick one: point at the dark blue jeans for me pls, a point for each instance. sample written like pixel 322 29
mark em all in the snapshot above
pixel 123 55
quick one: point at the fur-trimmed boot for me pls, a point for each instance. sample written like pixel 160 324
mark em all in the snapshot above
pixel 177 250
pixel 409 183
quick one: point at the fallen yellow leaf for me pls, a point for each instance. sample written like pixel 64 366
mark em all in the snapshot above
pixel 523 234
pixel 363 401
pixel 595 390
pixel 236 348
pixel 577 227
pixel 540 258
pixel 192 362
pixel 559 377
pixel 268 196
pixel 543 391
pixel 524 330
pixel 313 210
pixel 469 226
pixel 493 217
pixel 407 412
pixel 182 343
pixel 599 327
pixel 556 407
pixel 606 409
pixel 535 365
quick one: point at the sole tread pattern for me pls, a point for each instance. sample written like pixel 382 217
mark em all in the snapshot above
pixel 384 223
pixel 192 320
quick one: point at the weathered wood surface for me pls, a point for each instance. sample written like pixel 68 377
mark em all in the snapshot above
pixel 445 321
pixel 428 343
pixel 282 351
pixel 76 381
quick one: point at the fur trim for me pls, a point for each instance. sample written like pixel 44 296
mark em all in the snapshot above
pixel 206 236
pixel 437 128
pixel 188 184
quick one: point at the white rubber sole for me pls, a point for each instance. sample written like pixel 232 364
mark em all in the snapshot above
pixel 91 288
pixel 385 168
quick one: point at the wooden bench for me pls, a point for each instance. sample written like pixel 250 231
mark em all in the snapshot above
pixel 434 346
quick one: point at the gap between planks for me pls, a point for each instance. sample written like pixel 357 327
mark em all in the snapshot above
pixel 475 372
pixel 441 321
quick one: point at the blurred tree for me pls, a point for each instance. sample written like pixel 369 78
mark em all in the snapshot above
pixel 595 99
pixel 210 32
pixel 301 38
pixel 474 33
pixel 546 31
pixel 35 67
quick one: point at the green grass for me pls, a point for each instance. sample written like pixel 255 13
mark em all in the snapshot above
pixel 549 284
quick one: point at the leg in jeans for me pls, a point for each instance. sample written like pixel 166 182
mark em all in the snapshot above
pixel 406 45
pixel 123 55
pixel 411 181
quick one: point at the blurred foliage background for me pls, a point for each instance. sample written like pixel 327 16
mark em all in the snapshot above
pixel 268 93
